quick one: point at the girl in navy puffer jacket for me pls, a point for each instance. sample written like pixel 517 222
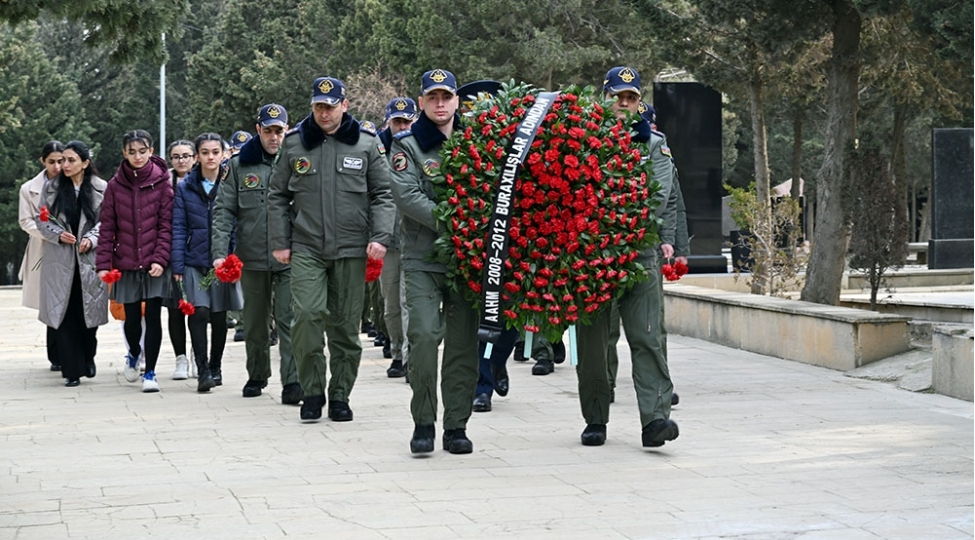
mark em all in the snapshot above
pixel 191 262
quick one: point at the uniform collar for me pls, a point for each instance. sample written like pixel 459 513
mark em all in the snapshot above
pixel 428 135
pixel 312 136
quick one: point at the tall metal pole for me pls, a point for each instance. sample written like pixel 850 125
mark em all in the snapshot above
pixel 162 102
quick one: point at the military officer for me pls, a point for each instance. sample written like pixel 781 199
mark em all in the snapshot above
pixel 639 307
pixel 682 250
pixel 266 283
pixel 330 208
pixel 437 312
pixel 400 115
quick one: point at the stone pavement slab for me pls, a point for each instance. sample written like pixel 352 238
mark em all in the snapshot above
pixel 769 449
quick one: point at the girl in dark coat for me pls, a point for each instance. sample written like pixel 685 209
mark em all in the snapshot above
pixel 136 238
pixel 192 262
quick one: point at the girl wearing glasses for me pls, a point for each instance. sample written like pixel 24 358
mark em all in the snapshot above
pixel 182 158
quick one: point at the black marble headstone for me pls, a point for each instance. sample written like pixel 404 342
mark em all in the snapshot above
pixel 690 115
pixel 952 243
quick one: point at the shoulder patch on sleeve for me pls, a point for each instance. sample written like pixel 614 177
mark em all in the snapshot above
pixel 665 150
pixel 399 162
pixel 381 147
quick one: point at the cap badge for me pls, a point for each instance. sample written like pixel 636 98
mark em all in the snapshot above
pixel 325 86
pixel 241 137
pixel 438 76
pixel 642 108
pixel 400 105
pixel 627 75
pixel 274 112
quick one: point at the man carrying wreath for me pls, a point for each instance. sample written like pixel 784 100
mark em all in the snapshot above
pixel 640 307
pixel 415 160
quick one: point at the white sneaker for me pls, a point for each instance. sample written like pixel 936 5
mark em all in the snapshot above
pixel 131 370
pixel 149 383
pixel 182 371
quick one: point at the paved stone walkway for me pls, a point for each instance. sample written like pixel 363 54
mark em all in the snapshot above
pixel 769 449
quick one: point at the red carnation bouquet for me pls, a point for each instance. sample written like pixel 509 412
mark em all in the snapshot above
pixel 230 269
pixel 673 272
pixel 112 276
pixel 582 207
pixel 374 268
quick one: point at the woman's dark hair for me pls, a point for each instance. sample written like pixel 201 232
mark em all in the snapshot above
pixel 204 137
pixel 174 144
pixel 66 201
pixel 51 147
pixel 136 135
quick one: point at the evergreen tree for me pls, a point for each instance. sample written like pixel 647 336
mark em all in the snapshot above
pixel 39 104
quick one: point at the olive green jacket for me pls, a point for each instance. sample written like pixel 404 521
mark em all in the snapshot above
pixel 242 202
pixel 329 194
pixel 415 159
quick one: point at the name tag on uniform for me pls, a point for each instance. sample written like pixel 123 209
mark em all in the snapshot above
pixel 352 163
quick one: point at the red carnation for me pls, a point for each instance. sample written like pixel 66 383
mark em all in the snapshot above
pixel 680 268
pixel 45 214
pixel 229 270
pixel 112 276
pixel 186 307
pixel 374 268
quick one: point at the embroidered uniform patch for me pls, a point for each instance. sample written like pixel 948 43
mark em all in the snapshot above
pixel 352 163
pixel 381 148
pixel 666 151
pixel 302 165
pixel 399 162
pixel 251 181
pixel 430 167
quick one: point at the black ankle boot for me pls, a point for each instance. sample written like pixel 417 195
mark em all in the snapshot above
pixel 204 379
pixel 455 441
pixel 215 373
pixel 422 441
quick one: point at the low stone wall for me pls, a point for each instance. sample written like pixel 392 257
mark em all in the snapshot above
pixel 834 337
pixel 953 362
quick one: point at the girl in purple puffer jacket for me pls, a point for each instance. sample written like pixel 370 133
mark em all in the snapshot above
pixel 136 238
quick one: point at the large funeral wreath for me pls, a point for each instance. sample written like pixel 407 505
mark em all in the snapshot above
pixel 582 208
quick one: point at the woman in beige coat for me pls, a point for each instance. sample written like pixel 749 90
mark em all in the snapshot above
pixel 30 267
pixel 73 300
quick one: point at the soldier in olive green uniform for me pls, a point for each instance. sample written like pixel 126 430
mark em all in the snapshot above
pixel 330 208
pixel 416 158
pixel 401 112
pixel 266 283
pixel 640 307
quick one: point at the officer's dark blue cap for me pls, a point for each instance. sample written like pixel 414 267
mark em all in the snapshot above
pixel 401 107
pixel 470 92
pixel 622 78
pixel 328 90
pixel 239 138
pixel 438 79
pixel 272 114
pixel 647 112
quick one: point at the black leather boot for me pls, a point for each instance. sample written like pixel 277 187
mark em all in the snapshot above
pixel 215 372
pixel 422 441
pixel 204 379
